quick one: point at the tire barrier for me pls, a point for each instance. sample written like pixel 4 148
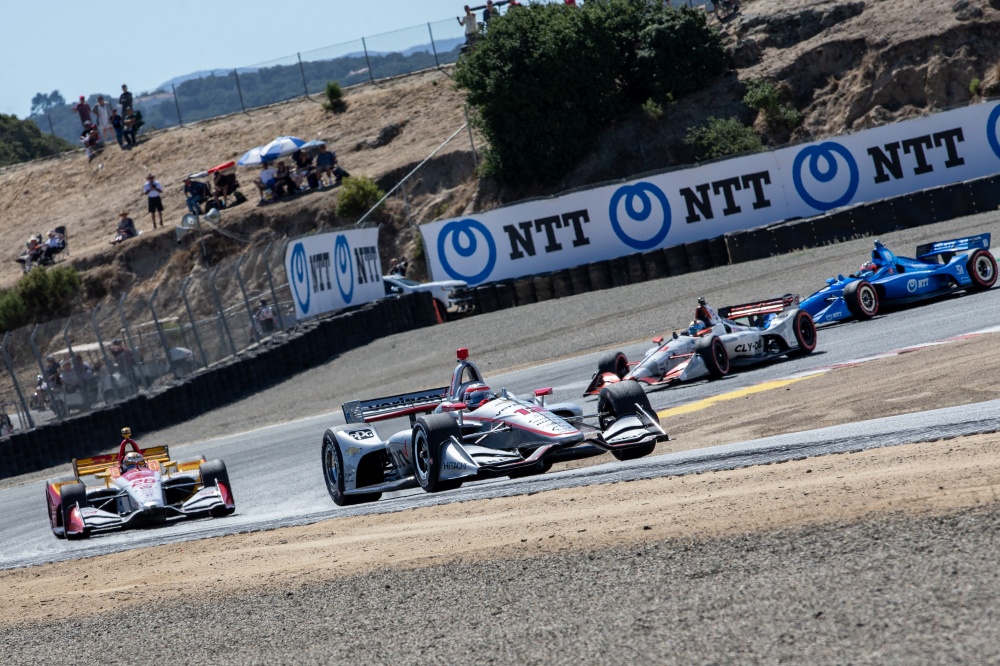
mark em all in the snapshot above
pixel 487 296
pixel 655 264
pixel 600 275
pixel 636 268
pixel 619 272
pixel 717 251
pixel 543 287
pixel 677 260
pixel 562 286
pixel 579 276
pixel 311 344
pixel 698 257
pixel 524 291
pixel 506 298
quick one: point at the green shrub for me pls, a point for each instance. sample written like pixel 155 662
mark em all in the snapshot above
pixel 357 196
pixel 41 295
pixel 334 98
pixel 678 54
pixel 975 87
pixel 652 109
pixel 763 96
pixel 722 137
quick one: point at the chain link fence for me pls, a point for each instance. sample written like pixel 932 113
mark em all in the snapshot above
pixel 138 343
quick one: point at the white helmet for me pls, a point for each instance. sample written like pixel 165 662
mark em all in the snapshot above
pixel 132 460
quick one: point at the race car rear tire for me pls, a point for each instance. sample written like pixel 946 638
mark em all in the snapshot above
pixel 333 474
pixel 70 495
pixel 613 362
pixel 805 332
pixel 982 269
pixel 861 299
pixel 212 471
pixel 713 352
pixel 430 433
pixel 621 399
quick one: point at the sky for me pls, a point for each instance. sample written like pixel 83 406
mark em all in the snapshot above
pixel 144 44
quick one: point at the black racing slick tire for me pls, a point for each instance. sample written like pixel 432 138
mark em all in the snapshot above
pixel 215 471
pixel 55 510
pixel 613 362
pixel 861 299
pixel 429 434
pixel 713 352
pixel 71 495
pixel 982 269
pixel 624 399
pixel 333 474
pixel 805 332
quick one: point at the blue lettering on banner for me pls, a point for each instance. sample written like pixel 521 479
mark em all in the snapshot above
pixel 991 130
pixel 465 243
pixel 300 277
pixel 344 268
pixel 825 153
pixel 639 192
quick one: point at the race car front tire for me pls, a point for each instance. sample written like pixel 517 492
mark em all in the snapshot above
pixel 215 471
pixel 71 495
pixel 333 474
pixel 430 433
pixel 613 362
pixel 55 512
pixel 982 269
pixel 713 352
pixel 623 399
pixel 805 332
pixel 861 299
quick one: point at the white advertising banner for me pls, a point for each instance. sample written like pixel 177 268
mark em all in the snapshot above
pixel 331 271
pixel 708 201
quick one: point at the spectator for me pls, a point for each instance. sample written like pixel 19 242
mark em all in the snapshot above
pixel 283 180
pixel 326 160
pixel 471 26
pixel 90 139
pixel 265 182
pixel 489 12
pixel 152 189
pixel 571 3
pixel 304 170
pixel 398 267
pixel 32 252
pixel 263 315
pixel 125 100
pixel 133 121
pixel 51 370
pixel 196 192
pixel 83 109
pixel 118 126
pixel 122 356
pixel 69 376
pixel 103 112
pixel 126 228
pixel 54 244
pixel 225 185
pixel 513 3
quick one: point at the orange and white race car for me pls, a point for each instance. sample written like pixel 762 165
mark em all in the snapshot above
pixel 136 488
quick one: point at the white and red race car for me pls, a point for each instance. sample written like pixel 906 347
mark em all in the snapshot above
pixel 735 336
pixel 143 487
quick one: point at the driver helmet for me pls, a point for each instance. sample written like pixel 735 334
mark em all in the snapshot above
pixel 868 266
pixel 696 327
pixel 133 460
pixel 477 395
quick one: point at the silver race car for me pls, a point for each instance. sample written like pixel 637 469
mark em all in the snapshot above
pixel 470 432
pixel 735 336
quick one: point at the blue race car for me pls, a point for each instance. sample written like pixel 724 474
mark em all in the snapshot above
pixel 940 268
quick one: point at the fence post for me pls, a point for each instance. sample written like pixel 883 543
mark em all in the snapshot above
pixel 177 106
pixel 163 336
pixel 302 70
pixel 368 61
pixel 246 300
pixel 13 377
pixel 194 324
pixel 270 282
pixel 104 355
pixel 239 90
pixel 222 313
pixel 33 340
pixel 437 63
pixel 136 357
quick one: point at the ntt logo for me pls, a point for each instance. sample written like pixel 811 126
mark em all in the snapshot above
pixel 300 277
pixel 825 175
pixel 991 130
pixel 640 215
pixel 467 250
pixel 344 268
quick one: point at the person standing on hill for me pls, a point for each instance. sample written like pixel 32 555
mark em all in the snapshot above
pixel 103 112
pixel 471 26
pixel 152 189
pixel 83 109
pixel 125 100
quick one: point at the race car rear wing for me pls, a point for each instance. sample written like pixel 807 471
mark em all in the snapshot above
pixel 770 306
pixel 98 464
pixel 394 406
pixel 951 247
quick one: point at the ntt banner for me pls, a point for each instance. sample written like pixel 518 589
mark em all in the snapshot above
pixel 332 271
pixel 711 200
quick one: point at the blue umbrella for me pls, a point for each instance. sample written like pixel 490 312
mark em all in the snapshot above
pixel 280 147
pixel 315 143
pixel 251 157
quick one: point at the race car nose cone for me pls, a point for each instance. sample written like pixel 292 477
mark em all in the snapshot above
pixel 150 505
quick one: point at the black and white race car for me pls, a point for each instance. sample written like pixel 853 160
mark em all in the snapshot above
pixel 471 431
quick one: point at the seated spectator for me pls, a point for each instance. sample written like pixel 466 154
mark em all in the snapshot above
pixel 133 121
pixel 55 244
pixel 91 139
pixel 226 185
pixel 283 181
pixel 52 371
pixel 195 191
pixel 33 250
pixel 325 161
pixel 126 228
pixel 304 170
pixel 265 182
pixel 69 376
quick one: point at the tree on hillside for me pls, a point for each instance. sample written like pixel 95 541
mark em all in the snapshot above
pixel 544 80
pixel 42 103
pixel 21 140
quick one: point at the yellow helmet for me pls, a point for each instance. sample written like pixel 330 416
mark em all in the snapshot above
pixel 127 433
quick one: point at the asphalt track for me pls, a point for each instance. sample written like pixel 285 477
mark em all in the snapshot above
pixel 272 493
